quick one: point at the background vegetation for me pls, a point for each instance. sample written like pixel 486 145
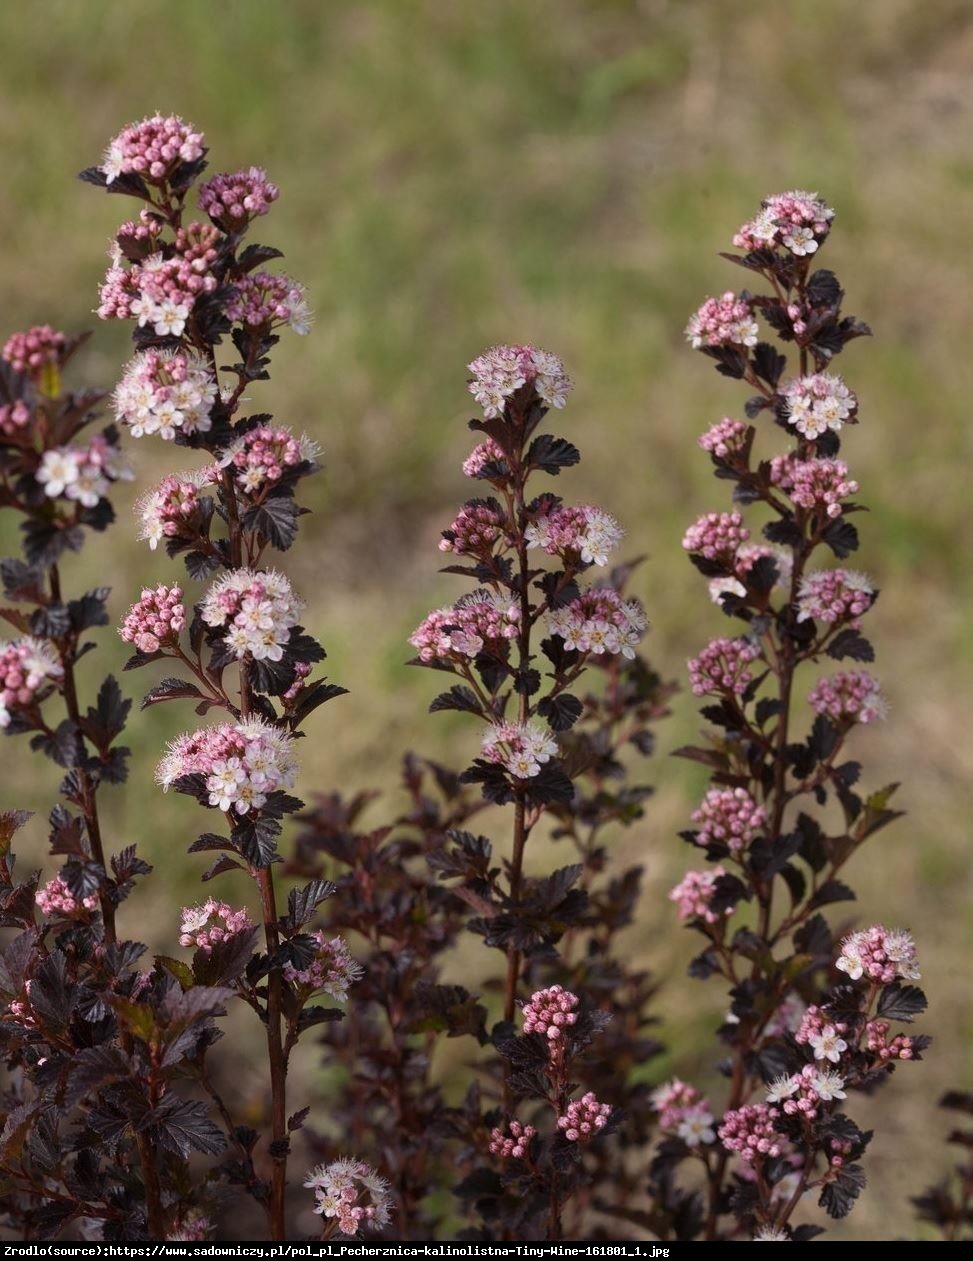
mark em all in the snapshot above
pixel 456 174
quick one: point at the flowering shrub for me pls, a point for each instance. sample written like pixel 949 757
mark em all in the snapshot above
pixel 810 1019
pixel 126 1050
pixel 116 1083
pixel 411 886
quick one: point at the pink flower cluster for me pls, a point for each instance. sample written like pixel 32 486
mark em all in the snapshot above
pixel 550 1012
pixel 241 763
pixel 877 1041
pixel 822 1034
pixel 729 816
pixel 584 1118
pixel 232 200
pixel 584 530
pixel 512 1147
pixel 486 452
pixel 801 1094
pixel 152 149
pixel 716 535
pixel 31 351
pixel 351 1191
pixel 205 926
pixel 165 392
pixel 722 667
pixel 83 474
pixel 817 403
pixel 749 1131
pixel 817 485
pixel 261 457
pixel 477 527
pixel 137 237
pixel 879 954
pixel 26 665
pixel 265 300
pixel 835 595
pixel 520 749
pixel 683 1111
pixel 600 621
pixel 331 971
pixel 56 900
pixel 724 321
pixel 258 610
pixel 163 512
pixel 848 697
pixel 726 438
pixel 160 292
pixel 694 893
pixel 14 417
pixel 797 313
pixel 499 373
pixel 157 618
pixel 481 620
pixel 798 220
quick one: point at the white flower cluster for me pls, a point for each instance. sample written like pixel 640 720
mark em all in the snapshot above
pixel 798 220
pixel 600 621
pixel 351 1191
pixel 500 372
pixel 587 530
pixel 819 402
pixel 258 609
pixel 880 954
pixel 166 392
pixel 823 1084
pixel 83 474
pixel 241 763
pixel 520 749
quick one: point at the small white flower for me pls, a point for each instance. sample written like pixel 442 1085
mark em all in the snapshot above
pixel 771 1234
pixel 522 766
pixel 782 1088
pixel 901 949
pixel 112 162
pixel 849 962
pixel 58 471
pixel 169 318
pixel 142 308
pixel 800 241
pixel 827 1045
pixel 696 1127
pixel 195 917
pixel 829 1086
pixel 300 317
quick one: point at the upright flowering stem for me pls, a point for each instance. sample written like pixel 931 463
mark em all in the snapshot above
pixel 520 830
pixel 487 639
pixel 787 1023
pixel 189 286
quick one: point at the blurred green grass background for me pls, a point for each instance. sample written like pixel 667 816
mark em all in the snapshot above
pixel 457 174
